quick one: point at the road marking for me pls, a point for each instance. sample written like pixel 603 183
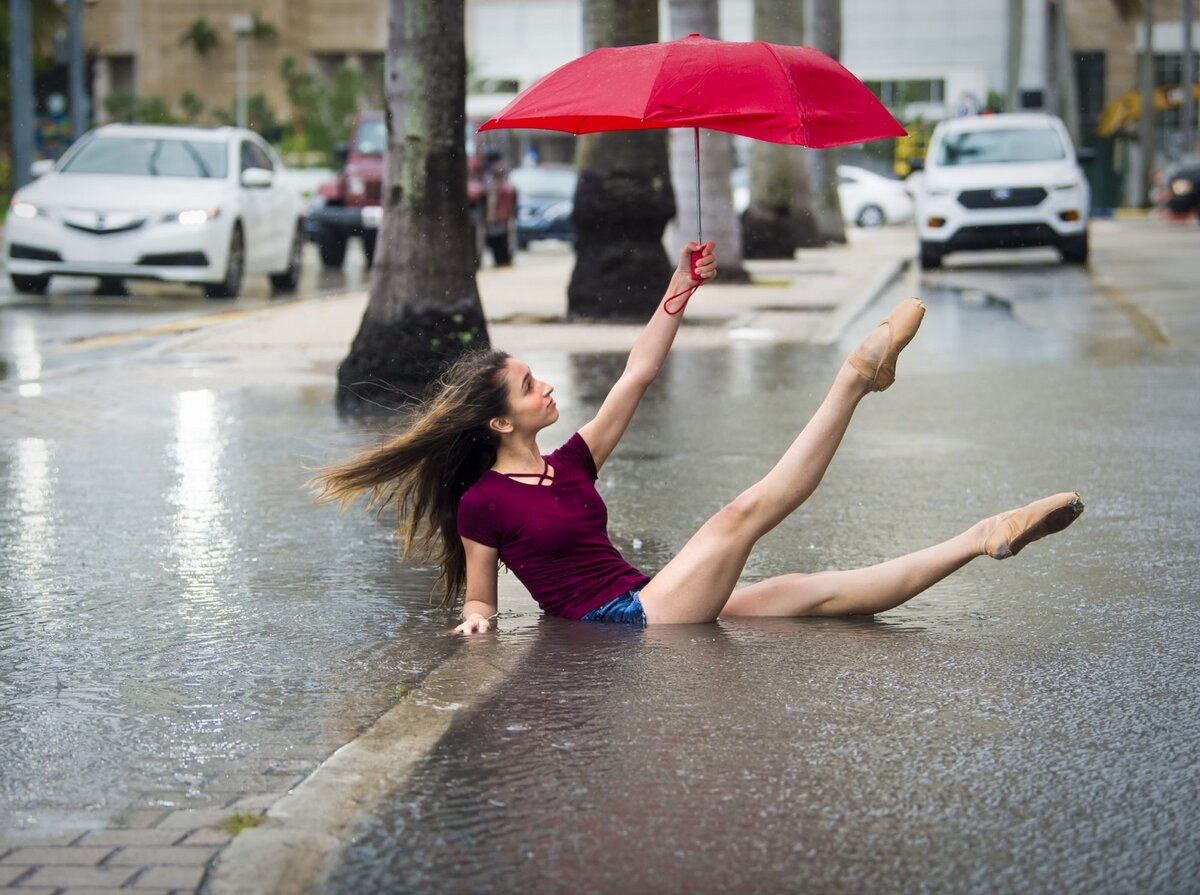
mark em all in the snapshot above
pixel 176 326
pixel 191 324
pixel 1142 322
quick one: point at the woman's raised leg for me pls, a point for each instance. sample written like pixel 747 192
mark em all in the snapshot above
pixel 886 585
pixel 695 585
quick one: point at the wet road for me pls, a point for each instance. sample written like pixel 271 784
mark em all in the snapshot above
pixel 174 617
pixel 76 325
pixel 1029 726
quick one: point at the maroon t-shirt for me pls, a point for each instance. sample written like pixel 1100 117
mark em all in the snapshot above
pixel 553 537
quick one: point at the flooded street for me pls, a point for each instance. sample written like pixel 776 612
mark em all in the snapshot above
pixel 1030 725
pixel 180 628
pixel 175 618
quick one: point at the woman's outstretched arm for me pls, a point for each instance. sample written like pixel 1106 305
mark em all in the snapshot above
pixel 480 606
pixel 646 358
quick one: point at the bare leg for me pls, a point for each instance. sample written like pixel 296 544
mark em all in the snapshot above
pixel 859 591
pixel 694 586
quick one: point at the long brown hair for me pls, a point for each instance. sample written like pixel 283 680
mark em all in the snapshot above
pixel 424 471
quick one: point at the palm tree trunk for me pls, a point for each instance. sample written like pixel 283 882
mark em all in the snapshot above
pixel 827 37
pixel 623 199
pixel 780 216
pixel 720 221
pixel 1012 73
pixel 424 307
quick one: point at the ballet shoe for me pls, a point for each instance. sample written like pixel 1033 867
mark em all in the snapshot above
pixel 1010 532
pixel 902 325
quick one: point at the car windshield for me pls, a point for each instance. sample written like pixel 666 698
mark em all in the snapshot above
pixel 150 157
pixel 991 146
pixel 371 138
pixel 544 182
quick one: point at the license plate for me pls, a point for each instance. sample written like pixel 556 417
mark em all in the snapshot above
pixel 372 216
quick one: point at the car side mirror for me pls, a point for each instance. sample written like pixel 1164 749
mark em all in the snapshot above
pixel 1086 156
pixel 41 166
pixel 916 163
pixel 257 178
pixel 341 151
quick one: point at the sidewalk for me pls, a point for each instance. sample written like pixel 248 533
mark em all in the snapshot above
pixel 809 299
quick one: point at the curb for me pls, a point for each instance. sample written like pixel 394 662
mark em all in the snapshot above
pixel 307 828
pixel 846 312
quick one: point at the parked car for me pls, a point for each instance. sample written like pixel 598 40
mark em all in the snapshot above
pixel 545 199
pixel 1178 191
pixel 871 200
pixel 866 199
pixel 348 205
pixel 181 204
pixel 1002 181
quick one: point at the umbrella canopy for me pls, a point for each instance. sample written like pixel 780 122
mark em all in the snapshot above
pixel 794 95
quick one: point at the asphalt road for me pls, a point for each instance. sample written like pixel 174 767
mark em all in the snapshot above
pixel 1022 726
pixel 72 325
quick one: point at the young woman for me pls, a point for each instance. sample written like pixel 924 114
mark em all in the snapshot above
pixel 471 485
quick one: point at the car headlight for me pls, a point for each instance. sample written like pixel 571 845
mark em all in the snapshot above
pixel 1181 186
pixel 937 192
pixel 1069 185
pixel 22 209
pixel 559 210
pixel 355 186
pixel 192 217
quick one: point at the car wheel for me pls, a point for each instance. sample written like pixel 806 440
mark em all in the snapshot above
pixel 931 256
pixel 286 281
pixel 502 252
pixel 235 268
pixel 333 249
pixel 478 241
pixel 1074 249
pixel 30 285
pixel 369 239
pixel 871 216
pixel 111 286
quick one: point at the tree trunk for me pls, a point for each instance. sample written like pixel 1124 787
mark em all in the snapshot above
pixel 780 216
pixel 424 307
pixel 623 199
pixel 827 37
pixel 720 221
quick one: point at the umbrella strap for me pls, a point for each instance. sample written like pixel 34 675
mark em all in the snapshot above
pixel 686 294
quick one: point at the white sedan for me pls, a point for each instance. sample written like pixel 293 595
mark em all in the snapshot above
pixel 866 199
pixel 870 200
pixel 181 204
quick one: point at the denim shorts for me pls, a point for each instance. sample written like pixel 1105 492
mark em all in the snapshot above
pixel 625 609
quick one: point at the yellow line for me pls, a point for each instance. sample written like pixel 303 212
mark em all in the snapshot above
pixel 191 324
pixel 1142 322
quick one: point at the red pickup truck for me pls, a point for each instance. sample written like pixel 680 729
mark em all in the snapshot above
pixel 350 205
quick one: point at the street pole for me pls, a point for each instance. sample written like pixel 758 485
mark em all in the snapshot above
pixel 1146 119
pixel 80 117
pixel 1016 32
pixel 1189 80
pixel 21 84
pixel 241 25
pixel 1050 60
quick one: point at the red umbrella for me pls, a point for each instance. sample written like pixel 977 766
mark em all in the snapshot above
pixel 782 94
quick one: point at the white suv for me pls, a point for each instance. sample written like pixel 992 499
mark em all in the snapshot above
pixel 1002 181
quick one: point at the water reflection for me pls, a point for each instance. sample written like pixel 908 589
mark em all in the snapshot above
pixel 31 491
pixel 201 541
pixel 24 351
